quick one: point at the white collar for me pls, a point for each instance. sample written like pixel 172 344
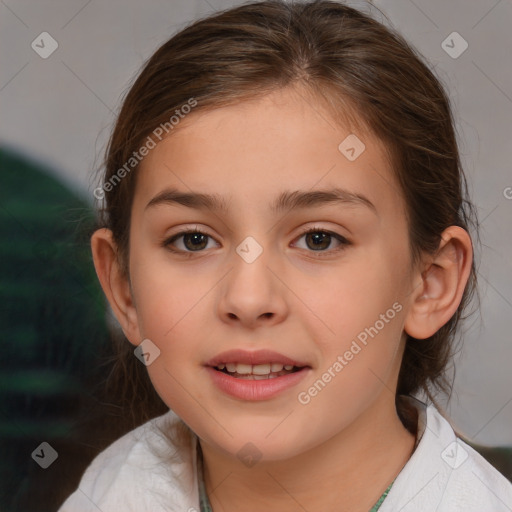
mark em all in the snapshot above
pixel 135 474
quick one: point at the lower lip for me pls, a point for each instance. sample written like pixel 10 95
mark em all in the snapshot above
pixel 255 389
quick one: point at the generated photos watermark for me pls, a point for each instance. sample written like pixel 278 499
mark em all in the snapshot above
pixel 357 345
pixel 150 143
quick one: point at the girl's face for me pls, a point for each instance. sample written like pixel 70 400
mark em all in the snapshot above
pixel 252 178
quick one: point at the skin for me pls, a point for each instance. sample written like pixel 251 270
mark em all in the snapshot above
pixel 342 449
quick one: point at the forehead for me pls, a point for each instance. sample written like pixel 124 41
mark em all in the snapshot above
pixel 282 141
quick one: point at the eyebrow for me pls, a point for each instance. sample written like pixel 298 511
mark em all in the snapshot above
pixel 288 200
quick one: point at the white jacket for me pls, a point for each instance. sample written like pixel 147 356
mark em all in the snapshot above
pixel 135 474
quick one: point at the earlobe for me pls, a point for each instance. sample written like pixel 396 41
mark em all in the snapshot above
pixel 115 285
pixel 441 284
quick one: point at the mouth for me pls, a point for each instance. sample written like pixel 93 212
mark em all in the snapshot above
pixel 259 375
pixel 258 371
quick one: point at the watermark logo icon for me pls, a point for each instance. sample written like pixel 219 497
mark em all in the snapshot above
pixel 249 250
pixel 454 45
pixel 147 352
pixel 454 455
pixel 352 147
pixel 44 45
pixel 45 455
pixel 249 454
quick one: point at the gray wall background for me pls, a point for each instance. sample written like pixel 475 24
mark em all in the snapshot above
pixel 59 110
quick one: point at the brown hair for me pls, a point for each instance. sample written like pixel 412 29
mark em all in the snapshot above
pixel 351 62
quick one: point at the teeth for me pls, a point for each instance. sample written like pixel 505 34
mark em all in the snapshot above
pixel 260 369
pixel 244 369
pixel 257 370
pixel 260 377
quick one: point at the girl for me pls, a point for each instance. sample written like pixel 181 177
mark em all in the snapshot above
pixel 285 244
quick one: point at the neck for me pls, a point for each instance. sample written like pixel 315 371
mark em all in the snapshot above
pixel 349 472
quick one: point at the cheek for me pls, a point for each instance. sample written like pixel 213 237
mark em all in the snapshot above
pixel 354 371
pixel 176 327
pixel 362 294
pixel 167 295
pixel 171 311
pixel 362 308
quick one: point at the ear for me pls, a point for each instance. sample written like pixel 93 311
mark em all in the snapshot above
pixel 440 285
pixel 115 285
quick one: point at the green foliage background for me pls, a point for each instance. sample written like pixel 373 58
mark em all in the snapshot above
pixel 52 329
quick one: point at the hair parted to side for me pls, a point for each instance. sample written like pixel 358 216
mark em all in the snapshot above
pixel 357 67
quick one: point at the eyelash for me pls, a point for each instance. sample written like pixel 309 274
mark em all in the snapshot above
pixel 342 240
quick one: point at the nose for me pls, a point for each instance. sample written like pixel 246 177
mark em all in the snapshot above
pixel 252 294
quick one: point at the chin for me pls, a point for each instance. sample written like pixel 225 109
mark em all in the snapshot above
pixel 251 443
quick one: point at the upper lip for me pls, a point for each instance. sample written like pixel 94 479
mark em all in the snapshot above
pixel 252 358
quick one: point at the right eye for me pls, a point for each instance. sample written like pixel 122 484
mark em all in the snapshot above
pixel 189 240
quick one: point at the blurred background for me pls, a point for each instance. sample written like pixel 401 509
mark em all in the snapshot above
pixel 65 66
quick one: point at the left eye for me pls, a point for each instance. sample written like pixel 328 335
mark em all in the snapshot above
pixel 318 240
